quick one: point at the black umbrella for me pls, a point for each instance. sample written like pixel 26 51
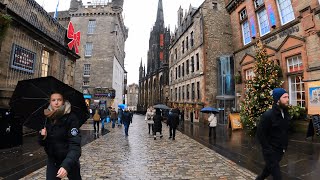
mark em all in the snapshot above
pixel 160 106
pixel 31 97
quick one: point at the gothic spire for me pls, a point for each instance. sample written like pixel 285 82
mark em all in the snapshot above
pixel 160 19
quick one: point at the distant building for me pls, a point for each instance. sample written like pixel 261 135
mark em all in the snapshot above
pixel 290 31
pixel 201 64
pixel 154 81
pixel 132 96
pixel 34 45
pixel 100 70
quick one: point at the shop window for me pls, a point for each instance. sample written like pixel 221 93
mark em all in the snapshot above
pixel 263 20
pixel 294 64
pixel 249 74
pixel 285 11
pixel 297 91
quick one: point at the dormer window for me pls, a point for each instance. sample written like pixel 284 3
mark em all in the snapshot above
pixel 243 14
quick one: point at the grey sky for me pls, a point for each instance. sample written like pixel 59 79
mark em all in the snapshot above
pixel 139 17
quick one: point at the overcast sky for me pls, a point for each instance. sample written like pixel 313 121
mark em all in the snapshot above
pixel 139 17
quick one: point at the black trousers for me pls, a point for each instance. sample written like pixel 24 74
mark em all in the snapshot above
pixel 96 123
pixel 214 131
pixel 172 132
pixel 52 170
pixel 272 166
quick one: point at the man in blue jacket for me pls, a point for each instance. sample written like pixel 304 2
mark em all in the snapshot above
pixel 272 133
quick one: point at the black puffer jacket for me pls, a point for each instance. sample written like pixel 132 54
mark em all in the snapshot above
pixel 157 126
pixel 272 131
pixel 63 141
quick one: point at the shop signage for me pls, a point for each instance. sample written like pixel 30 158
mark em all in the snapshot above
pixel 87 96
pixel 314 97
pixel 282 34
pixel 22 59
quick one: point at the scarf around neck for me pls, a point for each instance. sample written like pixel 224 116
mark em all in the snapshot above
pixel 57 114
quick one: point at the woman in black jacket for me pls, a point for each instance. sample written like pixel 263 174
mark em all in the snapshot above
pixel 157 126
pixel 61 139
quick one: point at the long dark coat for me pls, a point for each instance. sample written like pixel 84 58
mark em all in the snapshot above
pixel 157 126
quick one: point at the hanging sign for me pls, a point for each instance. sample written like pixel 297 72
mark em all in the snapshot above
pixel 22 59
pixel 74 37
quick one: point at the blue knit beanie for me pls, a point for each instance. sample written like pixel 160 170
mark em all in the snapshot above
pixel 277 93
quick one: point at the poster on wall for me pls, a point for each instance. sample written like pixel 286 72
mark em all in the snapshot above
pixel 314 97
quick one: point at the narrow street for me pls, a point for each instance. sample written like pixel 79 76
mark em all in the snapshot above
pixel 139 156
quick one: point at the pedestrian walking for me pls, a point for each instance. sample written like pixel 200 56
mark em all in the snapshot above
pixel 126 119
pixel 157 126
pixel 61 139
pixel 103 116
pixel 113 117
pixel 96 120
pixel 120 116
pixel 212 125
pixel 173 122
pixel 272 133
pixel 149 118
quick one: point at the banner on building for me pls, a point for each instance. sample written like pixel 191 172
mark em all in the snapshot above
pixel 161 55
pixel 314 97
pixel 161 40
pixel 22 59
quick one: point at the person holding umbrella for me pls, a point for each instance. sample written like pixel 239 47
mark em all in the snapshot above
pixel 61 139
pixel 212 124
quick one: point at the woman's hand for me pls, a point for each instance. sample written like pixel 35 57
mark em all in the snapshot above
pixel 43 132
pixel 62 173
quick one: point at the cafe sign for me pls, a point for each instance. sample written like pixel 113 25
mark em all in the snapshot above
pixel 22 59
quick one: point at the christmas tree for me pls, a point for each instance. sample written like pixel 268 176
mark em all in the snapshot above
pixel 258 90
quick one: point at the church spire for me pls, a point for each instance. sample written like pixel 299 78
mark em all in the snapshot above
pixel 160 19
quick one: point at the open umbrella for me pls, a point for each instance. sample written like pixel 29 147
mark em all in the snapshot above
pixel 160 106
pixel 209 110
pixel 122 106
pixel 31 97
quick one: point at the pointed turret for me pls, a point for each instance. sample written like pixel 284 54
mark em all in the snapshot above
pixel 160 19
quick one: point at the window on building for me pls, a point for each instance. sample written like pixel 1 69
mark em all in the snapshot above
pixel 192 91
pixel 182 47
pixel 198 61
pixel 187 67
pixel 188 89
pixel 182 69
pixel 285 11
pixel 198 90
pixel 86 82
pixel 91 26
pixel 176 53
pixel 263 20
pixel 258 3
pixel 192 64
pixel 191 39
pixel 171 75
pixel 183 90
pixel 179 93
pixel 187 43
pixel 226 85
pixel 297 91
pixel 294 63
pixel 179 71
pixel 246 32
pixel 214 5
pixel 176 73
pixel 88 49
pixel 243 14
pixel 176 90
pixel 249 74
pixel 45 63
pixel 171 94
pixel 86 70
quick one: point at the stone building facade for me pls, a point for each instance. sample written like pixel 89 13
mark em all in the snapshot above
pixel 100 71
pixel 34 45
pixel 132 96
pixel 290 31
pixel 153 83
pixel 199 51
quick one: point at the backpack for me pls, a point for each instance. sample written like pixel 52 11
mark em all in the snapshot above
pixel 96 116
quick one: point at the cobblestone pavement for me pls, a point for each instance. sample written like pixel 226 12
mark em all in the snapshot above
pixel 139 156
